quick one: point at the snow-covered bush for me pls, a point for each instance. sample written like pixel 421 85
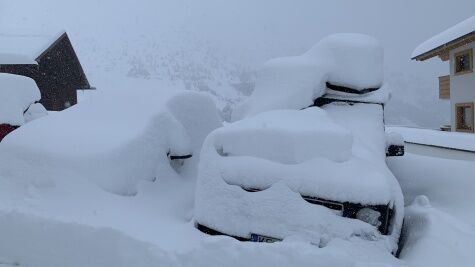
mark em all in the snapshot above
pixel 115 139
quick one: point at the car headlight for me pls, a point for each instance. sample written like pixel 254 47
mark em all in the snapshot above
pixel 369 216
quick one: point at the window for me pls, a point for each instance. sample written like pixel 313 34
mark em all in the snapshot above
pixel 463 62
pixel 464 117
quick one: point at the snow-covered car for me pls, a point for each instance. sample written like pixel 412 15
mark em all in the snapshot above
pixel 19 98
pixel 115 139
pixel 307 157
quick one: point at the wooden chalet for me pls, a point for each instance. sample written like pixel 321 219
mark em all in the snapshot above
pixel 50 61
pixel 456 46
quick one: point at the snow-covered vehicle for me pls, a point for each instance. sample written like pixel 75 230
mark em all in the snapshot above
pixel 308 156
pixel 19 98
pixel 115 139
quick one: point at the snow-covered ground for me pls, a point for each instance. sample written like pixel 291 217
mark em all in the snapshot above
pixel 439 228
pixel 75 223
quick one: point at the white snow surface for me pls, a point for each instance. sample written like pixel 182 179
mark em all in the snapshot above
pixel 113 139
pixel 463 28
pixel 35 111
pixel 23 46
pixel 17 93
pixel 345 59
pixel 287 137
pixel 58 225
pixel 440 223
pixel 241 155
pixel 464 141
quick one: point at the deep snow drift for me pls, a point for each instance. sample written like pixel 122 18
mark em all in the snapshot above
pixel 439 226
pixel 113 139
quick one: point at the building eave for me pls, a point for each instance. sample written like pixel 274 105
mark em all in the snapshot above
pixel 443 50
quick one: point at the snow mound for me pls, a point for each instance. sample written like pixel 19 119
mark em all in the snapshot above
pixel 463 28
pixel 356 60
pixel 114 139
pixel 435 238
pixel 456 140
pixel 17 93
pixel 346 59
pixel 300 135
pixel 32 241
pixel 35 111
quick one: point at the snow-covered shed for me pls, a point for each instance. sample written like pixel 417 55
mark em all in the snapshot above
pixel 455 45
pixel 48 59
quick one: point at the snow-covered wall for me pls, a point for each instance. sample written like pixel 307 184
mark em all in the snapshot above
pixel 462 87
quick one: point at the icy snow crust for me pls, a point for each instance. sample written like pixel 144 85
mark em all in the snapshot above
pixel 347 59
pixel 463 28
pixel 17 93
pixel 337 154
pixel 114 140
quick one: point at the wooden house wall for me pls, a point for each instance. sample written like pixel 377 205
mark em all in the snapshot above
pixel 62 75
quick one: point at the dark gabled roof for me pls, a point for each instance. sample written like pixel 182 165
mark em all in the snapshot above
pixel 50 45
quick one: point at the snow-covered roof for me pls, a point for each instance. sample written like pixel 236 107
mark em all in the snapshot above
pixel 17 93
pixel 460 30
pixel 19 46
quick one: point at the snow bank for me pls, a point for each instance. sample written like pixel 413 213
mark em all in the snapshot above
pixel 31 241
pixel 348 59
pixel 115 139
pixel 463 28
pixel 446 182
pixel 17 93
pixel 439 232
pixel 36 242
pixel 462 141
pixel 435 238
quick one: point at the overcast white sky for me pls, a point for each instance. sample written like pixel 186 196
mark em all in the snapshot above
pixel 250 28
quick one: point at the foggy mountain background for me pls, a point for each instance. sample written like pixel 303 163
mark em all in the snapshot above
pixel 216 46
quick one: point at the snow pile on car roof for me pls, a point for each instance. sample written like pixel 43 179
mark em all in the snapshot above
pixel 294 131
pixel 346 59
pixel 114 139
pixel 17 93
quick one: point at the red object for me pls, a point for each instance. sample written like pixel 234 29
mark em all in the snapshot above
pixel 6 129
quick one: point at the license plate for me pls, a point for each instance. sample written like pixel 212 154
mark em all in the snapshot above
pixel 263 238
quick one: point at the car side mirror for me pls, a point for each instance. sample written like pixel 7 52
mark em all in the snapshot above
pixel 394 145
pixel 177 161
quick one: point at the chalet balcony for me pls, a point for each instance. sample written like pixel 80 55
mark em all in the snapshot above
pixel 444 87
